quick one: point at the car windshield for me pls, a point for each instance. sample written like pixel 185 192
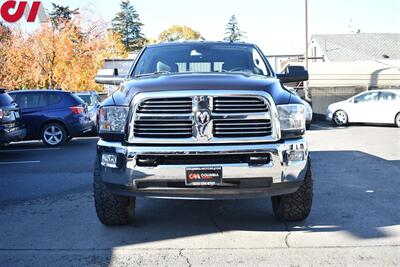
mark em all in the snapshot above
pixel 87 99
pixel 203 58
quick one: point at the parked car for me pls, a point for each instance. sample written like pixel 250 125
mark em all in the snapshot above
pixel 93 100
pixel 52 116
pixel 378 106
pixel 202 120
pixel 11 125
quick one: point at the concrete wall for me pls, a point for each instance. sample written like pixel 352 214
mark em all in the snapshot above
pixel 323 97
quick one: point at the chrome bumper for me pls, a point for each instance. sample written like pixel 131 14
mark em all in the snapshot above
pixel 280 170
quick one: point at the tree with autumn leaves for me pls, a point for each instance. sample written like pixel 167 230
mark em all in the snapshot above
pixel 68 51
pixel 178 32
pixel 65 53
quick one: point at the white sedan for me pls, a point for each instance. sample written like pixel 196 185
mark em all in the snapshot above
pixel 378 106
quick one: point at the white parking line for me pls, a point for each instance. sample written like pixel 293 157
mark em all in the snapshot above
pixel 29 149
pixel 19 162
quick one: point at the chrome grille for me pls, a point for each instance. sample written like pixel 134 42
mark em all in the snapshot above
pixel 166 105
pixel 203 117
pixel 239 105
pixel 241 128
pixel 154 128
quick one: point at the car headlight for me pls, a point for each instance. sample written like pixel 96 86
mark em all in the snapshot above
pixel 292 120
pixel 308 112
pixel 113 119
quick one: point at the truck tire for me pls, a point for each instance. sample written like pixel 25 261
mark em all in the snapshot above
pixel 111 209
pixel 295 206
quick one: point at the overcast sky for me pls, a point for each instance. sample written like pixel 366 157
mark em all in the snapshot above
pixel 276 26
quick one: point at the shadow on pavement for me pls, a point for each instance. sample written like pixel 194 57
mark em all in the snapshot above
pixel 355 193
pixel 326 125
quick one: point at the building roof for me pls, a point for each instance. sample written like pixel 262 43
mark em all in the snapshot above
pixel 359 46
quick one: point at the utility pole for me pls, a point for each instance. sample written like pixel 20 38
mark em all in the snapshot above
pixel 307 96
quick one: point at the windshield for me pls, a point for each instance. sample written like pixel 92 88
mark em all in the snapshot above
pixel 204 58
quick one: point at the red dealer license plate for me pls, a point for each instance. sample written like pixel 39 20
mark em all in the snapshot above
pixel 203 176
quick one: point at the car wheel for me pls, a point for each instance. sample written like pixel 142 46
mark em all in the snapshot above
pixel 54 134
pixel 295 206
pixel 340 118
pixel 111 209
pixel 397 120
pixel 308 126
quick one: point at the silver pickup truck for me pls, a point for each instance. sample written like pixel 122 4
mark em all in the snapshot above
pixel 203 121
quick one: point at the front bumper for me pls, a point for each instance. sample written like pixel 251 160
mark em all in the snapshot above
pixel 240 180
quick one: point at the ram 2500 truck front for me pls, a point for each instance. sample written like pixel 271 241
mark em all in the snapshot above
pixel 207 120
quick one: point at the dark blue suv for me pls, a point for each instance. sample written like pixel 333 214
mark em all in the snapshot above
pixel 52 116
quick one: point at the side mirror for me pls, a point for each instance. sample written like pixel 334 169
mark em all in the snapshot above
pixel 109 76
pixel 293 74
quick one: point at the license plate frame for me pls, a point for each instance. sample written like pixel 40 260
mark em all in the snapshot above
pixel 204 176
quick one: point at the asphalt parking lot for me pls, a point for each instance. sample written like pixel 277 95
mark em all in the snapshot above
pixel 47 216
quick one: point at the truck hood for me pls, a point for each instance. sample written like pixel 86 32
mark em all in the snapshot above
pixel 200 81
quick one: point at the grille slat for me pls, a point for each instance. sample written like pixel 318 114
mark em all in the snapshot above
pixel 161 134
pixel 236 110
pixel 244 123
pixel 166 106
pixel 239 105
pixel 164 110
pixel 231 100
pixel 244 128
pixel 149 106
pixel 241 128
pixel 242 105
pixel 162 129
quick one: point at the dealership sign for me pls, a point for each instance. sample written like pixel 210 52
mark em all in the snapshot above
pixel 14 11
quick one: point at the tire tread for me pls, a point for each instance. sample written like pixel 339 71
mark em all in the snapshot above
pixel 111 209
pixel 295 206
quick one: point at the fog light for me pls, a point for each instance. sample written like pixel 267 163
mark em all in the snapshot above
pixel 258 160
pixel 295 156
pixel 109 160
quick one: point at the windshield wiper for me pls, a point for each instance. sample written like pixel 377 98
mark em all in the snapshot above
pixel 153 73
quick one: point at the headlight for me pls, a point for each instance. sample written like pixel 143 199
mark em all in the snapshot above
pixel 292 119
pixel 308 111
pixel 113 119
